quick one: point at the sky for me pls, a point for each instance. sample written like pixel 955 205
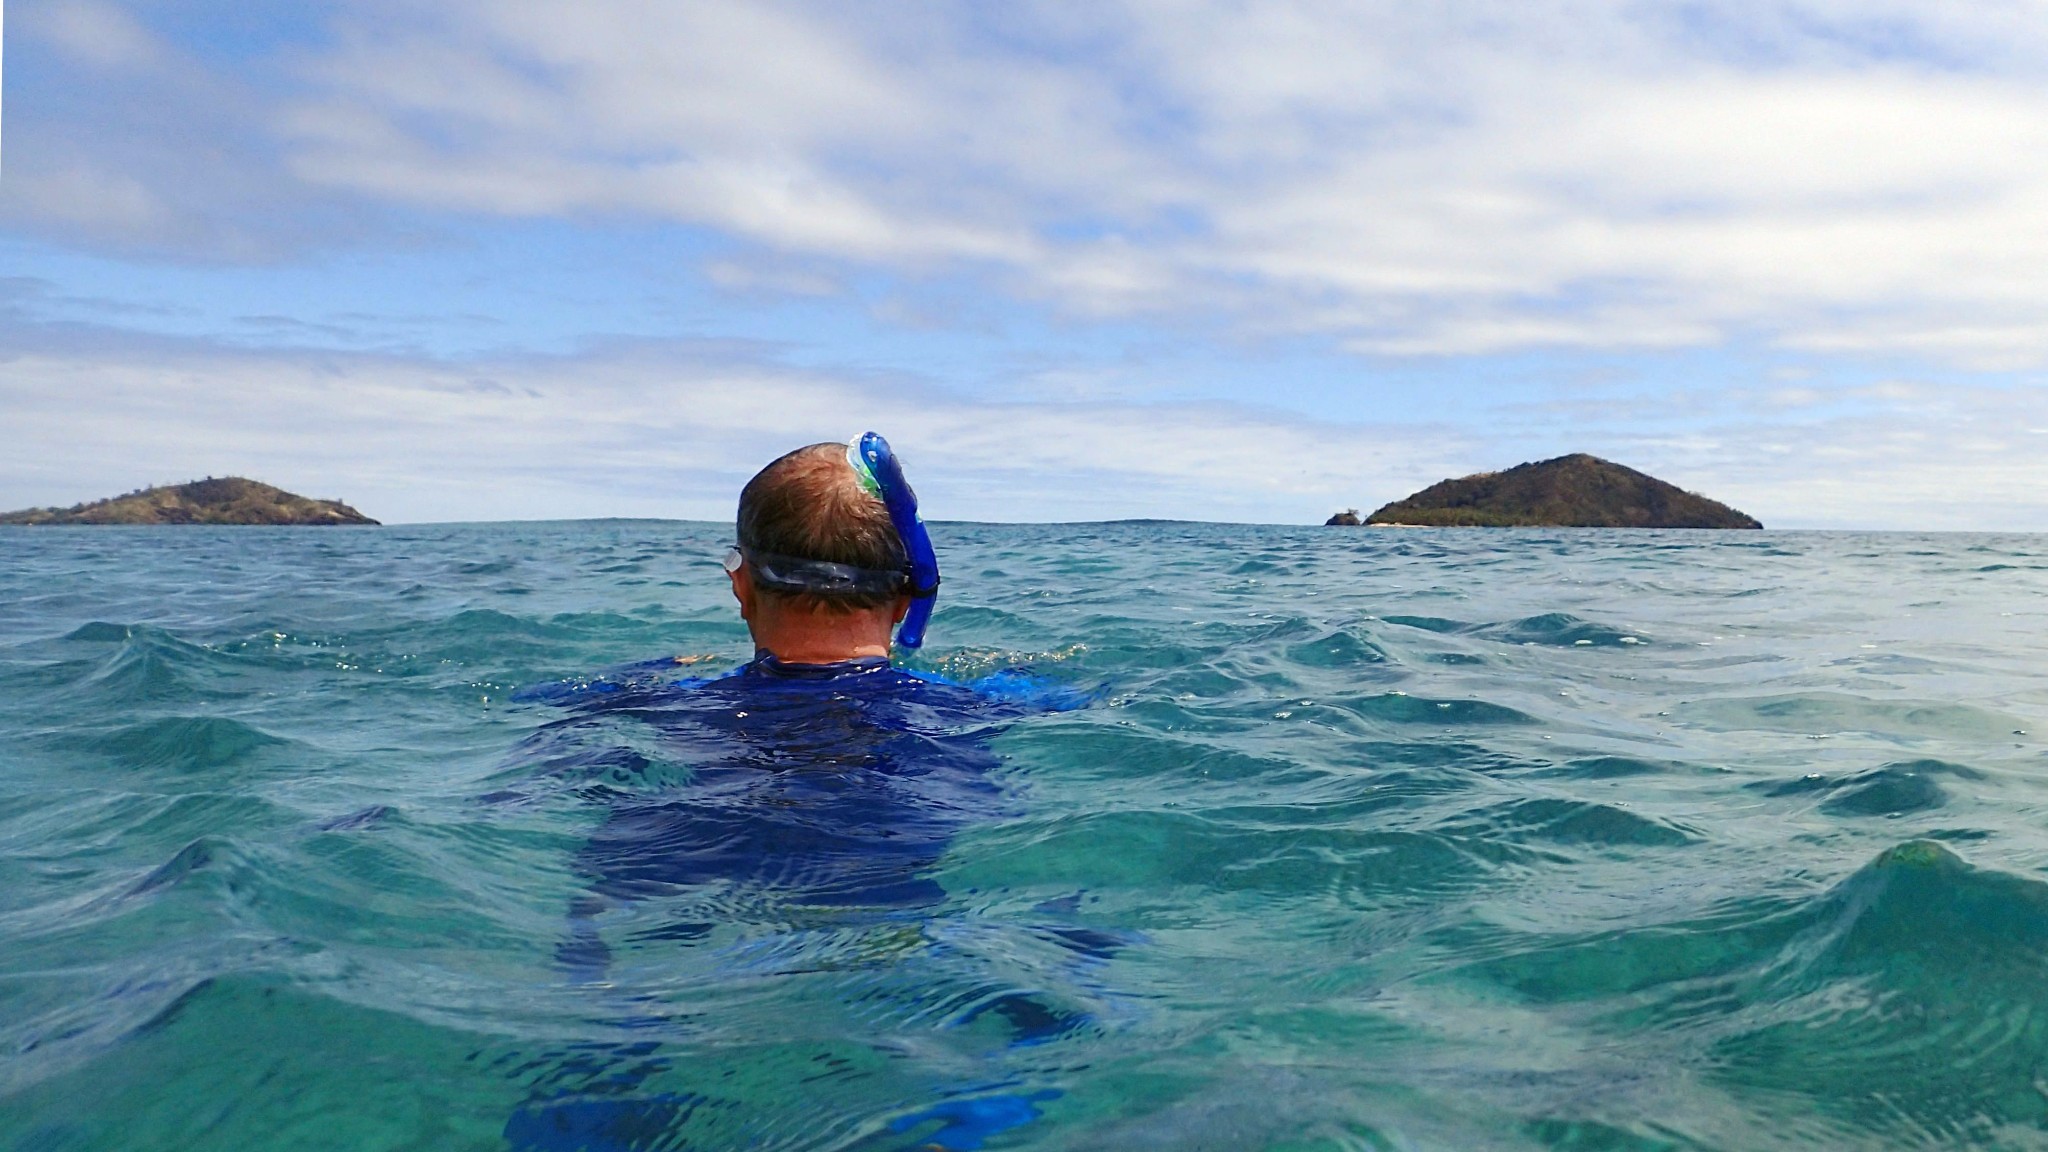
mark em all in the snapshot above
pixel 507 259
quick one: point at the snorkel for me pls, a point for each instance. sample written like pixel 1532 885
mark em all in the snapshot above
pixel 882 475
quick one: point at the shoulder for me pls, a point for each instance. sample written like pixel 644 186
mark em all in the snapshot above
pixel 620 684
pixel 1011 690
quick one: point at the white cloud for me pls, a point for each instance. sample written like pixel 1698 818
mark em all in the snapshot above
pixel 96 199
pixel 1842 179
pixel 120 138
pixel 1859 178
pixel 98 34
pixel 652 429
pixel 673 429
pixel 1413 180
pixel 770 277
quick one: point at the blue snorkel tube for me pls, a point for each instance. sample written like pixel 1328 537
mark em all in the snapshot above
pixel 882 474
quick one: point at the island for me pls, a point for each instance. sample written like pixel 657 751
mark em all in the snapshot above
pixel 223 500
pixel 1575 491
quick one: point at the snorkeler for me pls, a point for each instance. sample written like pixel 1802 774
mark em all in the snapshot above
pixel 832 553
pixel 819 772
pixel 807 794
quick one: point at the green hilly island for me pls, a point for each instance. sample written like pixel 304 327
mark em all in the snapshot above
pixel 223 500
pixel 1576 491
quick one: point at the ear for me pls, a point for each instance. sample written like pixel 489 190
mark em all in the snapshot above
pixel 743 590
pixel 902 609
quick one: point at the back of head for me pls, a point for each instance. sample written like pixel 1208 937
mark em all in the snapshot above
pixel 809 504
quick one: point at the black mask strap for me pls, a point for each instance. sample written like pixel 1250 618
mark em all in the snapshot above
pixel 802 575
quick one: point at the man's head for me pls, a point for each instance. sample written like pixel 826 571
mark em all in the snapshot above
pixel 809 505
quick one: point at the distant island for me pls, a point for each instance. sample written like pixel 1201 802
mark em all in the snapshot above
pixel 1576 491
pixel 227 500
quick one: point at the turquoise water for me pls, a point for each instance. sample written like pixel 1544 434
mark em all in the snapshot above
pixel 1420 839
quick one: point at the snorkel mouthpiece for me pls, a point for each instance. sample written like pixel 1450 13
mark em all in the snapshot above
pixel 882 475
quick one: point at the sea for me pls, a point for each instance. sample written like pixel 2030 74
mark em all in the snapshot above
pixel 1344 839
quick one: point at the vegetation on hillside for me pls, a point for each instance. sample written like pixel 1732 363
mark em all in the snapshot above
pixel 1576 491
pixel 226 500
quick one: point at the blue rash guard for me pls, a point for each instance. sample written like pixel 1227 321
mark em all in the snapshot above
pixel 834 786
pixel 825 784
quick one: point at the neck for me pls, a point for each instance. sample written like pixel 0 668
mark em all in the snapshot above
pixel 795 636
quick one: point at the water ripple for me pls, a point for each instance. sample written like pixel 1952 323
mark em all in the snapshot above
pixel 1431 839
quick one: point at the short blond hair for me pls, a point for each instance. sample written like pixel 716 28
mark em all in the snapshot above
pixel 809 504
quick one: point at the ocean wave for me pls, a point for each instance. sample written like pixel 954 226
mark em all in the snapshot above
pixel 1432 840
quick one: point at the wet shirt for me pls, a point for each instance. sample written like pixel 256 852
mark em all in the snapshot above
pixel 837 784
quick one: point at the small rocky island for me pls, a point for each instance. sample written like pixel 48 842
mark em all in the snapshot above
pixel 226 500
pixel 1576 491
